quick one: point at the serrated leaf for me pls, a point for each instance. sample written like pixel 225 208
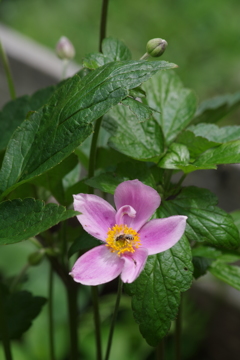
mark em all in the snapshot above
pixel 206 222
pixel 22 219
pixel 215 133
pixel 213 110
pixel 227 153
pixel 52 133
pixel 175 104
pixel 208 252
pixel 156 292
pixel 15 111
pixel 107 182
pixel 21 308
pixel 94 60
pixel 236 218
pixel 176 157
pixel 227 273
pixel 140 140
pixel 141 111
pixel 115 49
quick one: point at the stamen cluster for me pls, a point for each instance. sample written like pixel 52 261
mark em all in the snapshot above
pixel 121 239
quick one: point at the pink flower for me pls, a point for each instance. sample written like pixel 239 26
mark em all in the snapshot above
pixel 127 234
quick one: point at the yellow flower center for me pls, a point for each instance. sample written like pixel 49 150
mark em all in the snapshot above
pixel 121 239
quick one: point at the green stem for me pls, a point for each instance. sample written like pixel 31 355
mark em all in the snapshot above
pixel 119 293
pixel 50 314
pixel 178 332
pixel 103 23
pixel 4 329
pixel 160 350
pixel 145 56
pixel 94 290
pixel 8 72
pixel 93 151
pixel 73 321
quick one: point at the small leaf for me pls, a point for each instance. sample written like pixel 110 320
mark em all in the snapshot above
pixel 227 153
pixel 95 60
pixel 176 157
pixel 115 49
pixel 21 308
pixel 227 273
pixel 206 222
pixel 213 110
pixel 22 219
pixel 201 265
pixel 175 104
pixel 156 292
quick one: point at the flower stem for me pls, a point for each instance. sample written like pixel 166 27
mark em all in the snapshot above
pixel 160 350
pixel 103 23
pixel 50 314
pixel 8 72
pixel 19 277
pixel 94 290
pixel 119 293
pixel 93 150
pixel 145 56
pixel 178 332
pixel 73 321
pixel 4 329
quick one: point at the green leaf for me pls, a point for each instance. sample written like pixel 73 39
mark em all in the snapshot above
pixel 213 110
pixel 22 219
pixel 236 218
pixel 107 157
pixel 222 255
pixel 175 104
pixel 115 49
pixel 227 153
pixel 107 182
pixel 21 308
pixel 156 292
pixel 141 111
pixel 206 222
pixel 215 134
pixel 50 135
pixel 140 140
pixel 176 157
pixel 52 179
pixel 201 265
pixel 15 111
pixel 227 273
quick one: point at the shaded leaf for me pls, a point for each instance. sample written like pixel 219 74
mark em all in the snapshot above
pixel 213 110
pixel 84 242
pixel 227 273
pixel 156 292
pixel 22 219
pixel 175 104
pixel 21 308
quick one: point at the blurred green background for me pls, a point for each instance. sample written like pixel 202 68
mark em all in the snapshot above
pixel 203 36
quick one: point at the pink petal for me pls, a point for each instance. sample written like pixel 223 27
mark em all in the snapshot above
pixel 97 266
pixel 144 199
pixel 124 210
pixel 161 234
pixel 133 265
pixel 97 214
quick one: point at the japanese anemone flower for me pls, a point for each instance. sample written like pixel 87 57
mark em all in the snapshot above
pixel 127 235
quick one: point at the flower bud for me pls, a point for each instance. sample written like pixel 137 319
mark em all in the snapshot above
pixel 65 49
pixel 156 47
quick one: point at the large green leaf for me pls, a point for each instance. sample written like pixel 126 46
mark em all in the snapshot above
pixel 22 219
pixel 21 308
pixel 176 157
pixel 213 110
pixel 206 221
pixel 15 111
pixel 133 136
pixel 52 133
pixel 175 104
pixel 156 292
pixel 227 153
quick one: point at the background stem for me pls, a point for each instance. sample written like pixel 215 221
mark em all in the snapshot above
pixel 103 23
pixel 119 293
pixel 50 314
pixel 160 350
pixel 8 72
pixel 94 290
pixel 73 321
